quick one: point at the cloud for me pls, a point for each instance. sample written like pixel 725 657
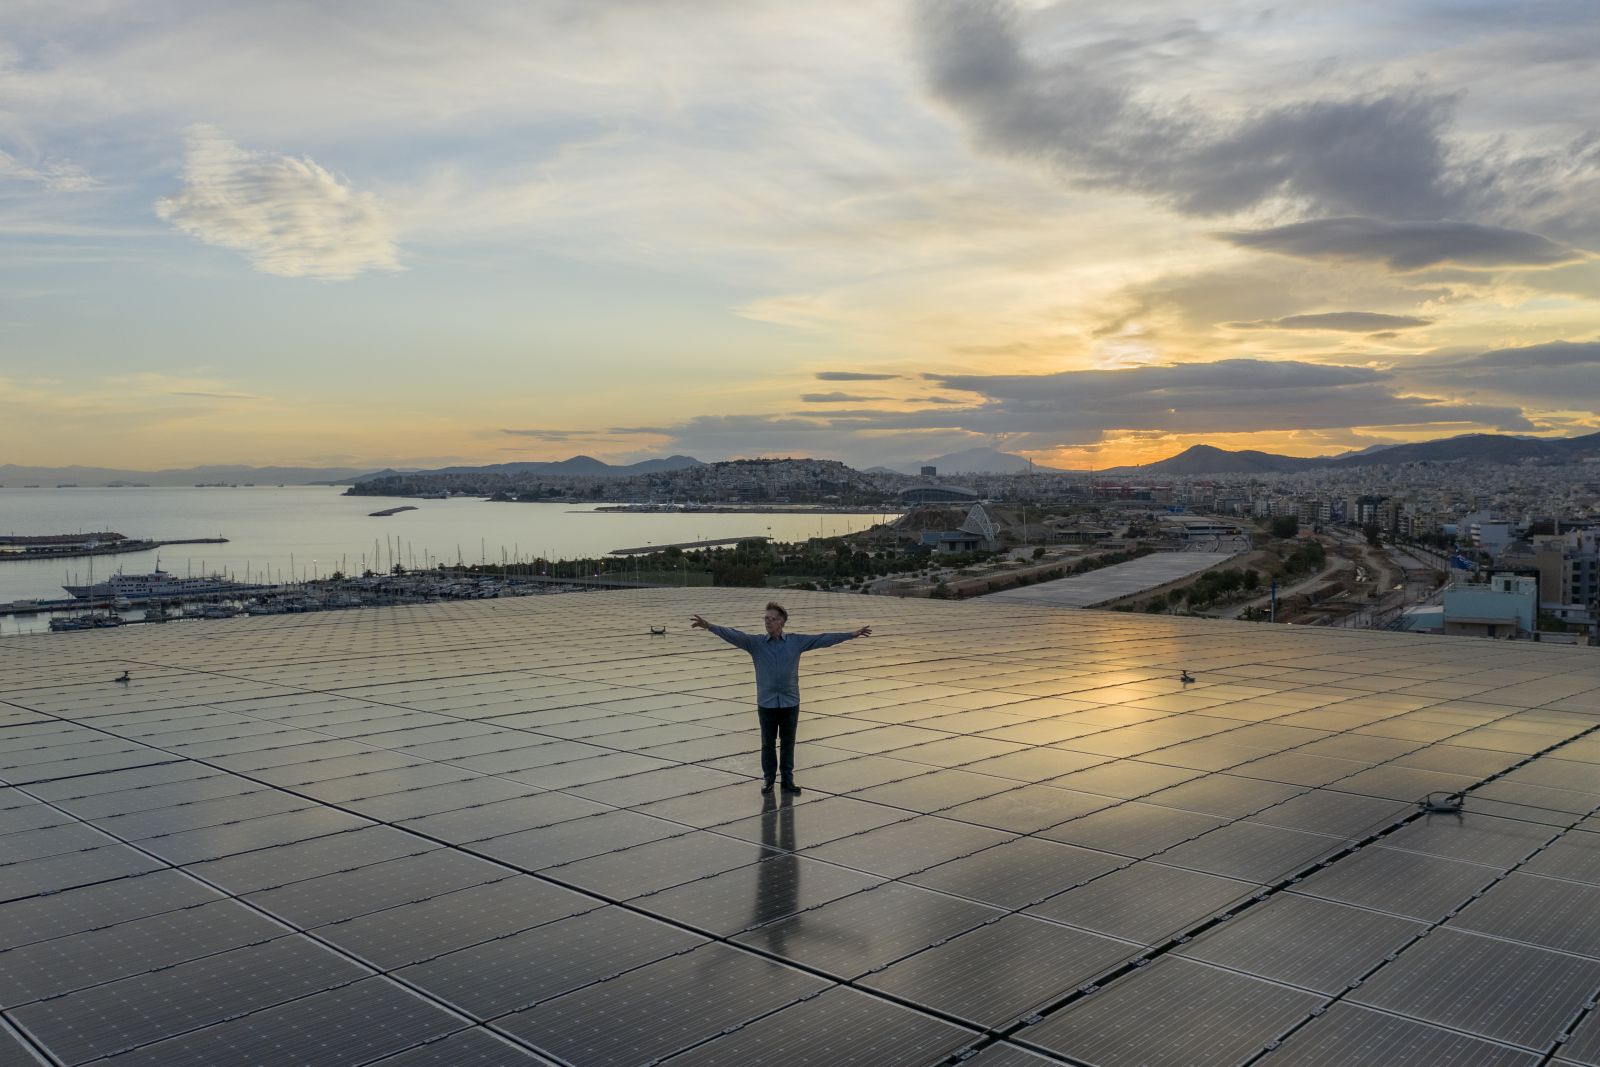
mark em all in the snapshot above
pixel 1548 355
pixel 1407 246
pixel 287 215
pixel 1075 408
pixel 1555 376
pixel 1380 153
pixel 836 398
pixel 551 435
pixel 1352 321
pixel 853 376
pixel 220 396
pixel 54 175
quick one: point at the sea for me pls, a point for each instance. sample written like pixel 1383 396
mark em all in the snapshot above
pixel 282 533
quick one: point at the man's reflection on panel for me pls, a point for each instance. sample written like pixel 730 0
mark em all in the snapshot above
pixel 777 878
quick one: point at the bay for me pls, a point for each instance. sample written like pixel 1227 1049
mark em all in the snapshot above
pixel 303 531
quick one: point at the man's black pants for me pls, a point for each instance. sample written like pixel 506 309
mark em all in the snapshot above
pixel 778 725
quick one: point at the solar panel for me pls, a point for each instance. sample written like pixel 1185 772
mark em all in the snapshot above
pixel 998 973
pixel 575 839
pixel 423 929
pixel 1147 902
pixel 329 898
pixel 1028 808
pixel 15 1051
pixel 1538 911
pixel 1018 873
pixel 134 1011
pixel 40 918
pixel 1496 989
pixel 837 1026
pixel 1402 883
pixel 1583 1046
pixel 1304 942
pixel 73 961
pixel 515 971
pixel 479 822
pixel 55 873
pixel 1132 829
pixel 1252 852
pixel 854 934
pixel 1575 855
pixel 269 867
pixel 661 1008
pixel 1174 1013
pixel 658 865
pixel 353 1024
pixel 751 896
pixel 1352 1036
pixel 904 848
pixel 477 1047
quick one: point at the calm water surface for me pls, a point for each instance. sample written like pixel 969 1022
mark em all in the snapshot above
pixel 307 530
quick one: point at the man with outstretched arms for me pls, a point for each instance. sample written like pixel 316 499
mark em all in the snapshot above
pixel 777 659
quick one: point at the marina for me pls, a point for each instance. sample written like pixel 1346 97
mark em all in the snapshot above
pixel 280 536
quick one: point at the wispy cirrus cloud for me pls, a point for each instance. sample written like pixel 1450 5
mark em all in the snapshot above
pixel 1351 321
pixel 836 398
pixel 289 216
pixel 58 176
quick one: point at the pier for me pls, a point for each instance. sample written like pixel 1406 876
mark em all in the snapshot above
pixel 713 543
pixel 66 547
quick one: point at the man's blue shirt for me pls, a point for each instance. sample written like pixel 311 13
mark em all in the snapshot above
pixel 777 661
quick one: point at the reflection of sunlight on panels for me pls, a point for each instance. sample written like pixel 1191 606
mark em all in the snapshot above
pixel 489 831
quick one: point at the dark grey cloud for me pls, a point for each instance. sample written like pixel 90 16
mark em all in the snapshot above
pixel 1351 321
pixel 837 398
pixel 1548 355
pixel 853 376
pixel 1407 246
pixel 1560 375
pixel 1074 408
pixel 1382 153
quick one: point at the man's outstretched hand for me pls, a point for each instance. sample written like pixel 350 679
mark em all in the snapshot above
pixel 865 631
pixel 699 623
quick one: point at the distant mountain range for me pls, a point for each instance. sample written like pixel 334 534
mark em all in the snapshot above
pixel 12 476
pixel 1199 460
pixel 1472 447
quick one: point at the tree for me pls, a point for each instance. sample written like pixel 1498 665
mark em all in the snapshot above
pixel 1372 534
pixel 1285 526
pixel 739 574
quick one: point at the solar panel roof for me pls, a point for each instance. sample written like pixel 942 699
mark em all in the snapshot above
pixel 528 831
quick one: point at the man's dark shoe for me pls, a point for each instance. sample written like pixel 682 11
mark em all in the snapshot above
pixel 790 787
pixel 766 787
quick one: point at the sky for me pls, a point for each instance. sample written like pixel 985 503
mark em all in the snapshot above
pixel 1093 233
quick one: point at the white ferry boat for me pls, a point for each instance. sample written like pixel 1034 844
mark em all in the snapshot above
pixel 156 585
